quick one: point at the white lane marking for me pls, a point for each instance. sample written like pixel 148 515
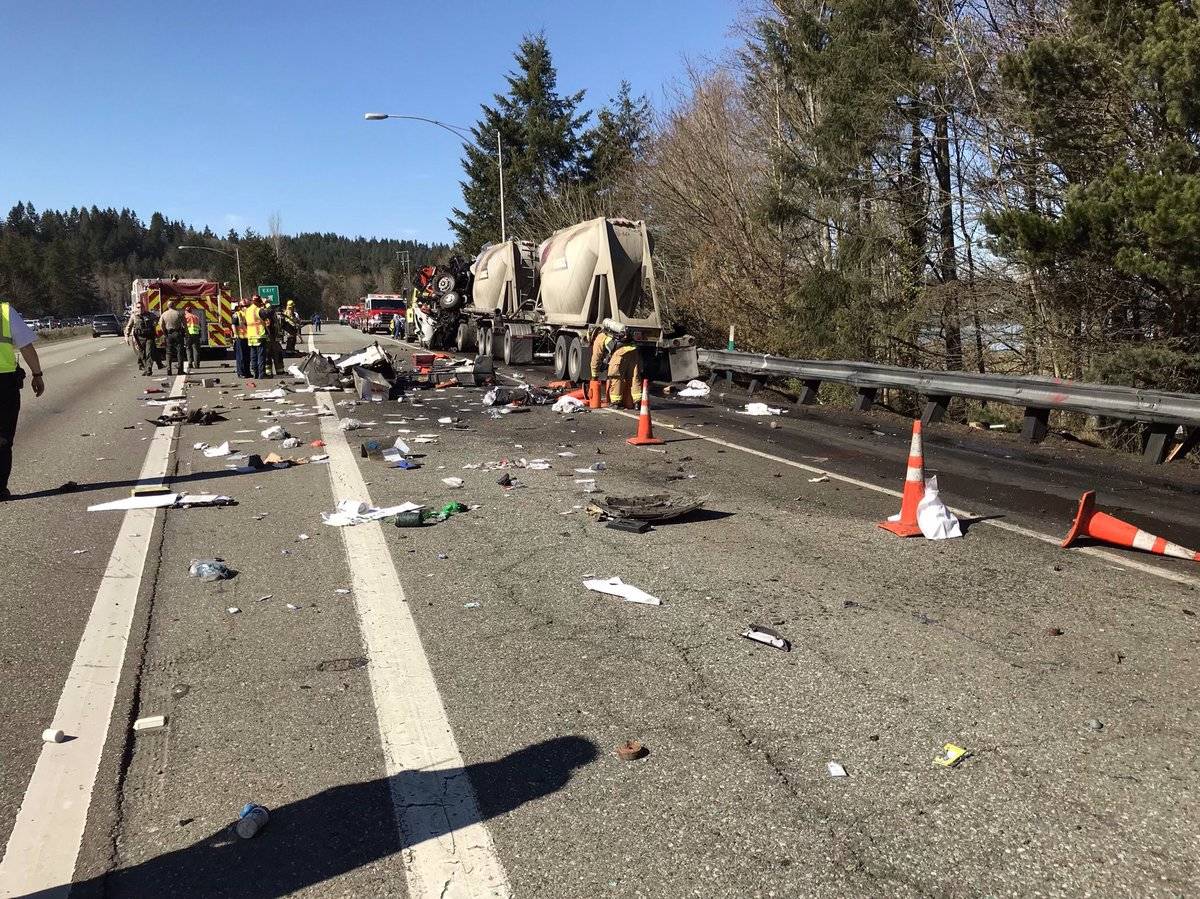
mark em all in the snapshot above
pixel 1097 552
pixel 448 849
pixel 45 841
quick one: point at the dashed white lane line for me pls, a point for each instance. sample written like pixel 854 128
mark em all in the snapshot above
pixel 448 850
pixel 44 843
pixel 1106 555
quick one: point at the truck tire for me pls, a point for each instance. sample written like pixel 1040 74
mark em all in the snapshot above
pixel 444 283
pixel 508 346
pixel 577 367
pixel 465 341
pixel 450 301
pixel 485 342
pixel 561 347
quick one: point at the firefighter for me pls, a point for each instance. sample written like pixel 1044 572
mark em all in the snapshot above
pixel 191 324
pixel 290 323
pixel 410 318
pixel 241 350
pixel 624 372
pixel 603 344
pixel 15 338
pixel 271 317
pixel 140 333
pixel 256 336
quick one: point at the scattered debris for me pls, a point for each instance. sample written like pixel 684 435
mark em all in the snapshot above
pixel 454 483
pixel 153 722
pixel 951 756
pixel 290 443
pixel 695 389
pixel 836 769
pixel 233 610
pixel 351 424
pixel 935 520
pixel 654 507
pixel 187 500
pixel 630 525
pixel 351 512
pixel 251 820
pixel 1054 632
pixel 614 586
pixel 821 480
pixel 472 605
pixel 759 409
pixel 631 750
pixel 136 502
pixel 210 570
pixel 568 405
pixel 50 735
pixel 275 432
pixel 760 633
pixel 1095 725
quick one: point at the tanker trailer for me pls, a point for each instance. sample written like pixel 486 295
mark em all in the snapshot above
pixel 601 269
pixel 503 290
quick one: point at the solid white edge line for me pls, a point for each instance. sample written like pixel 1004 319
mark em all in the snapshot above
pixel 1094 551
pixel 46 838
pixel 448 850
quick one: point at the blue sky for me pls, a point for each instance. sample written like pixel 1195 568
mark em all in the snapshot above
pixel 220 113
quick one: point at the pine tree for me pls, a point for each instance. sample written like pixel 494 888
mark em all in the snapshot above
pixel 539 130
pixel 618 138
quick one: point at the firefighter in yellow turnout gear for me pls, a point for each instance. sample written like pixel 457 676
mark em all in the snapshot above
pixel 624 367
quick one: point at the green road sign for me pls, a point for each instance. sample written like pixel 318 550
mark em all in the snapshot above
pixel 270 293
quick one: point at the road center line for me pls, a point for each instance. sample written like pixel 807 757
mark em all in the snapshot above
pixel 1094 551
pixel 45 840
pixel 448 849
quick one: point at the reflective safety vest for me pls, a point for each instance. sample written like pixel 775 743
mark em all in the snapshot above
pixel 192 322
pixel 8 351
pixel 239 324
pixel 256 328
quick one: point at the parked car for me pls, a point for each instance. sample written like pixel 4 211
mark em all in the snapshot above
pixel 106 324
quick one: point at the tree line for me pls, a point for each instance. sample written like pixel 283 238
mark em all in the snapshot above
pixel 986 185
pixel 84 260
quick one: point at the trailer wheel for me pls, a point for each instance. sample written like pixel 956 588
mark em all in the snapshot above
pixel 465 341
pixel 444 283
pixel 508 346
pixel 561 349
pixel 485 341
pixel 576 368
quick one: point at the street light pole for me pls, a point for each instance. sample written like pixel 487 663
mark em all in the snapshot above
pixel 462 134
pixel 236 256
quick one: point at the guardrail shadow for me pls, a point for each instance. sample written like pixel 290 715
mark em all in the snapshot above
pixel 337 830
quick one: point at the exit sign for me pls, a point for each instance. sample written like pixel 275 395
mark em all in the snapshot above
pixel 270 293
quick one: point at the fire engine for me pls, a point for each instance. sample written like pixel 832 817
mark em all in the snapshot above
pixel 208 299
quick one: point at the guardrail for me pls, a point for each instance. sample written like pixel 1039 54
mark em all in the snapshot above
pixel 1161 411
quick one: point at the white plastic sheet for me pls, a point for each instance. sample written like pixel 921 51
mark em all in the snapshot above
pixel 935 520
pixel 157 501
pixel 695 389
pixel 760 409
pixel 614 586
pixel 214 452
pixel 568 405
pixel 352 511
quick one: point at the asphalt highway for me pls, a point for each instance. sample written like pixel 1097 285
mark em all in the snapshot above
pixel 434 711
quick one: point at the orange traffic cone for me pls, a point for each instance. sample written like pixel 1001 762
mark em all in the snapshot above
pixel 914 490
pixel 645 435
pixel 594 394
pixel 1107 528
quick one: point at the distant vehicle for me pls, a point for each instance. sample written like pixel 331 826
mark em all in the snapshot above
pixel 346 314
pixel 106 324
pixel 379 309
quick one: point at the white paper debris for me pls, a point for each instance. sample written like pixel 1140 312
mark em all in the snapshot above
pixel 214 452
pixel 568 405
pixel 613 586
pixel 274 433
pixel 835 769
pixel 760 409
pixel 694 389
pixel 136 502
pixel 351 512
pixel 453 482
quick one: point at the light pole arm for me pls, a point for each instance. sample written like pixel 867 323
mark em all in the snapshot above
pixel 236 256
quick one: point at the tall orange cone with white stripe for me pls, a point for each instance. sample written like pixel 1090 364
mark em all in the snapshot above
pixel 914 490
pixel 594 391
pixel 1109 529
pixel 645 435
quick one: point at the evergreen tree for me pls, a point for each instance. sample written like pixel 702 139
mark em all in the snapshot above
pixel 1115 105
pixel 618 138
pixel 539 130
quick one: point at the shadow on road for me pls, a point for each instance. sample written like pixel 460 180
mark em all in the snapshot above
pixel 170 481
pixel 336 831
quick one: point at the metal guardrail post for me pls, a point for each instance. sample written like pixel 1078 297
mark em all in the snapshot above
pixel 808 393
pixel 935 408
pixel 865 399
pixel 1036 424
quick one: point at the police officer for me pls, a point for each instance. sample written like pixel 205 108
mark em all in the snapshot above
pixel 14 336
pixel 173 331
pixel 140 333
pixel 191 324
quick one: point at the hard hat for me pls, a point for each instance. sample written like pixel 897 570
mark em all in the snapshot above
pixel 291 302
